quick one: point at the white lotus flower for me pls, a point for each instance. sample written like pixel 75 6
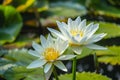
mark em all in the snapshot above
pixel 78 34
pixel 49 53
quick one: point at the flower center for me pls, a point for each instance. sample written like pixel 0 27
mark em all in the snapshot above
pixel 51 54
pixel 76 32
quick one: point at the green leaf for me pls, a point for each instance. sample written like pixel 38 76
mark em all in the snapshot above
pixel 112 30
pixel 11 24
pixel 19 57
pixel 85 52
pixel 20 72
pixel 105 9
pixel 114 2
pixel 64 9
pixel 15 57
pixel 23 40
pixel 112 55
pixel 84 76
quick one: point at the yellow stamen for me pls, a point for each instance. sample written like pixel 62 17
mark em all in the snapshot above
pixel 51 54
pixel 75 32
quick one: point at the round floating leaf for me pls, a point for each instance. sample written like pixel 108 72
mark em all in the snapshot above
pixel 19 57
pixel 112 55
pixel 11 24
pixel 65 9
pixel 23 40
pixel 20 72
pixel 112 30
pixel 105 9
pixel 84 76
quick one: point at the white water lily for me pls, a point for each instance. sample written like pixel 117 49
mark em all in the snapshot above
pixel 78 34
pixel 49 53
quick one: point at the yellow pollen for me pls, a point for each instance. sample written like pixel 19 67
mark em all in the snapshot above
pixel 75 32
pixel 51 54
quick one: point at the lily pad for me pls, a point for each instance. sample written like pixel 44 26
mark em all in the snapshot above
pixel 112 29
pixel 112 55
pixel 105 9
pixel 84 76
pixel 65 9
pixel 20 72
pixel 11 24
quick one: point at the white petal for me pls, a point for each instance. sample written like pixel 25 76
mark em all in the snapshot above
pixel 91 29
pixel 34 53
pixel 77 49
pixel 88 27
pixel 77 20
pixel 57 33
pixel 48 74
pixel 60 65
pixel 49 40
pixel 61 24
pixel 83 40
pixel 62 46
pixel 69 22
pixel 82 25
pixel 43 41
pixel 36 63
pixel 62 28
pixel 66 57
pixel 96 38
pixel 94 46
pixel 47 67
pixel 37 47
pixel 65 25
pixel 76 39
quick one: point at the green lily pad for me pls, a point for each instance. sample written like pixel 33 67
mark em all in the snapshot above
pixel 84 76
pixel 23 41
pixel 104 9
pixel 112 55
pixel 20 72
pixel 65 9
pixel 11 24
pixel 19 57
pixel 112 30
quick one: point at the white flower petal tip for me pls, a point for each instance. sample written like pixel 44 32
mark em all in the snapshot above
pixel 36 63
pixel 96 47
pixel 48 74
pixel 47 67
pixel 66 57
pixel 77 50
pixel 65 70
pixel 60 65
pixel 34 53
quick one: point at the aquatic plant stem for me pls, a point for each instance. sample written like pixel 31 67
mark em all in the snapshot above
pixel 55 73
pixel 74 68
pixel 96 63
